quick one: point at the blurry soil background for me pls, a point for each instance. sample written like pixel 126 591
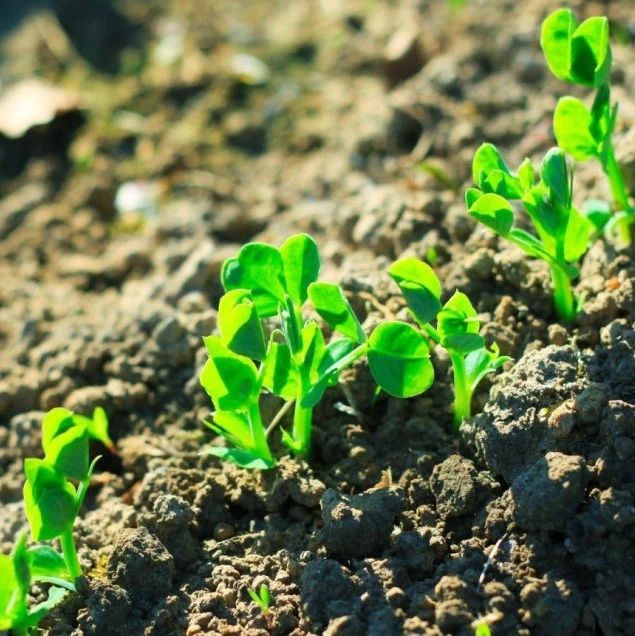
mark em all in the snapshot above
pixel 141 143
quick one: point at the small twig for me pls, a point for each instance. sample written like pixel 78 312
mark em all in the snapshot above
pixel 278 417
pixel 491 558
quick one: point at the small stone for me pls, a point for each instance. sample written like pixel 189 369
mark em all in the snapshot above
pixel 558 335
pixel 562 420
pixel 223 531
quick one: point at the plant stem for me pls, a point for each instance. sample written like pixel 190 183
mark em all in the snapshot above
pixel 563 293
pixel 616 180
pixel 462 391
pixel 302 419
pixel 258 435
pixel 70 554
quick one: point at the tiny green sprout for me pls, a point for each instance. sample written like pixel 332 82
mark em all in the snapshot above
pixel 457 331
pixel 482 628
pixel 292 360
pixel 262 598
pixel 56 485
pixel 17 571
pixel 581 54
pixel 562 233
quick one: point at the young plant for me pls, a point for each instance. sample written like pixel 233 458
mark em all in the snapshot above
pixel 262 598
pixel 17 571
pixel 56 485
pixel 562 233
pixel 581 54
pixel 293 361
pixel 457 330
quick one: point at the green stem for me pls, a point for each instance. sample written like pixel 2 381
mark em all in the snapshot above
pixel 616 180
pixel 70 554
pixel 258 434
pixel 302 419
pixel 563 293
pixel 462 391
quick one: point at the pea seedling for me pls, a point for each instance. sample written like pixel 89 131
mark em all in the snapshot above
pixel 581 54
pixel 51 499
pixel 294 362
pixel 262 598
pixel 562 233
pixel 457 331
pixel 17 571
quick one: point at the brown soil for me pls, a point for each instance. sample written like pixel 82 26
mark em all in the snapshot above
pixel 527 520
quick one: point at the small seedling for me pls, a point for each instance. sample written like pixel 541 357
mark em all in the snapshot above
pixel 562 233
pixel 293 361
pixel 581 54
pixel 262 598
pixel 17 571
pixel 51 497
pixel 457 331
pixel 482 629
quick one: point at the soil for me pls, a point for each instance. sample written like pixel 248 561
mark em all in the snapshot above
pixel 397 525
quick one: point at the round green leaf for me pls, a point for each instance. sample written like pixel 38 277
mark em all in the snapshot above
pixel 495 212
pixel 333 306
pixel 419 285
pixel 301 259
pixel 240 326
pixel 398 357
pixel 571 126
pixel 555 39
pixel 49 500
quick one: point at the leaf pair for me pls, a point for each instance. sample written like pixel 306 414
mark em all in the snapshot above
pixel 17 571
pixel 457 330
pixel 577 53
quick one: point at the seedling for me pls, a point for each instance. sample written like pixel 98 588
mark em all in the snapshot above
pixel 562 233
pixel 262 598
pixel 56 485
pixel 581 54
pixel 17 571
pixel 293 361
pixel 457 331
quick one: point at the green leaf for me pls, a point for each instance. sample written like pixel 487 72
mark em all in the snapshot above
pixel 463 343
pixel 312 349
pixel 20 557
pixel 555 40
pixel 458 316
pixel 55 596
pixel 577 236
pixel 571 126
pixel 399 359
pixel 334 308
pixel 495 212
pixel 55 422
pixel 290 324
pixel 240 457
pixel 49 500
pixel 301 260
pixel 240 326
pixel 492 175
pixel 233 426
pixel 482 362
pixel 591 53
pixel 229 379
pixel 556 175
pixel 98 427
pixel 526 175
pixel 472 195
pixel 279 373
pixel 10 604
pixel 420 286
pixel 258 268
pixel 598 212
pixel 334 352
pixel 67 452
pixel 46 562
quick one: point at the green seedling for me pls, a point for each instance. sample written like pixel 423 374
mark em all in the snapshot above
pixel 293 361
pixel 482 629
pixel 17 571
pixel 562 233
pixel 581 54
pixel 56 485
pixel 262 598
pixel 457 331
